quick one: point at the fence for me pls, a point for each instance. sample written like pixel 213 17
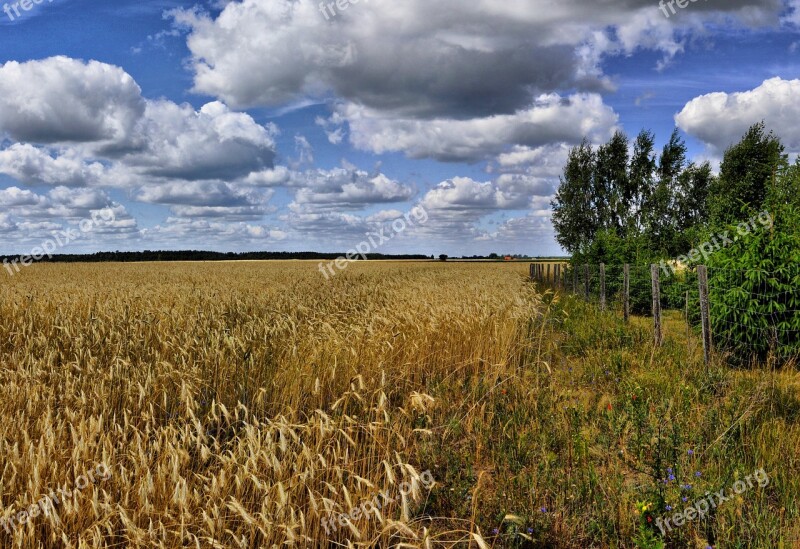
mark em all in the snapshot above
pixel 738 312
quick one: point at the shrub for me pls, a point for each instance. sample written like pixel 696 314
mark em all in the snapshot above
pixel 754 288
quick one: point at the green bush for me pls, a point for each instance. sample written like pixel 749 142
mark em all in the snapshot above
pixel 754 288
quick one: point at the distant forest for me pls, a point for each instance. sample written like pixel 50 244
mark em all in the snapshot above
pixel 199 255
pixel 195 255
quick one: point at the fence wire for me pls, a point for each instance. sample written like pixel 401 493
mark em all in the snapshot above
pixel 753 313
pixel 756 311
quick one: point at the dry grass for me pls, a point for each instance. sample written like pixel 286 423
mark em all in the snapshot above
pixel 236 405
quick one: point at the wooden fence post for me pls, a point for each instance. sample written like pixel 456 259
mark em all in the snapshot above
pixel 626 293
pixel 688 325
pixel 586 279
pixel 656 304
pixel 702 277
pixel 564 274
pixel 530 271
pixel 557 275
pixel 548 273
pixel 602 286
pixel 575 279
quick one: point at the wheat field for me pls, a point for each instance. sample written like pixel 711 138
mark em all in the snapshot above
pixel 254 404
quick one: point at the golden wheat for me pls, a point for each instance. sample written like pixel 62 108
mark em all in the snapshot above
pixel 237 405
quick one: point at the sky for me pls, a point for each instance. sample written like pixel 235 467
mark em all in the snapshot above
pixel 291 125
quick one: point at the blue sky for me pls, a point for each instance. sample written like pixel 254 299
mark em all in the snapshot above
pixel 268 125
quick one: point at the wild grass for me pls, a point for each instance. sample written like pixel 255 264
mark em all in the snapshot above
pixel 239 404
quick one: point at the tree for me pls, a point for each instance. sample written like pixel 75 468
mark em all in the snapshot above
pixel 746 171
pixel 641 179
pixel 574 218
pixel 612 194
pixel 659 207
pixel 694 184
pixel 610 188
pixel 691 205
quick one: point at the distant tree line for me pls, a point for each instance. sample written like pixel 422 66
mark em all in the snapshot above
pixel 622 203
pixel 198 255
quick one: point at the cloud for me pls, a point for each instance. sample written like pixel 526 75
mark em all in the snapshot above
pixel 507 192
pixel 63 100
pixel 208 199
pixel 85 124
pixel 60 202
pixel 175 141
pixel 273 177
pixel 544 161
pixel 427 60
pixel 535 230
pixel 551 118
pixel 721 119
pixel 14 197
pixel 36 165
pixel 347 188
pixel 325 228
pixel 30 218
pixel 174 233
pixel 792 17
pixel 194 193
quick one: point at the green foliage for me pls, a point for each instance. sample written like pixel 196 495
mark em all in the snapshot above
pixel 746 171
pixel 647 539
pixel 650 205
pixel 642 209
pixel 615 251
pixel 611 193
pixel 641 177
pixel 573 216
pixel 755 306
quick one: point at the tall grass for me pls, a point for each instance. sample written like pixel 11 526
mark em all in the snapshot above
pixel 237 405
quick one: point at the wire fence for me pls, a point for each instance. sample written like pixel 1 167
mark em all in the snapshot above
pixel 756 309
pixel 749 314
